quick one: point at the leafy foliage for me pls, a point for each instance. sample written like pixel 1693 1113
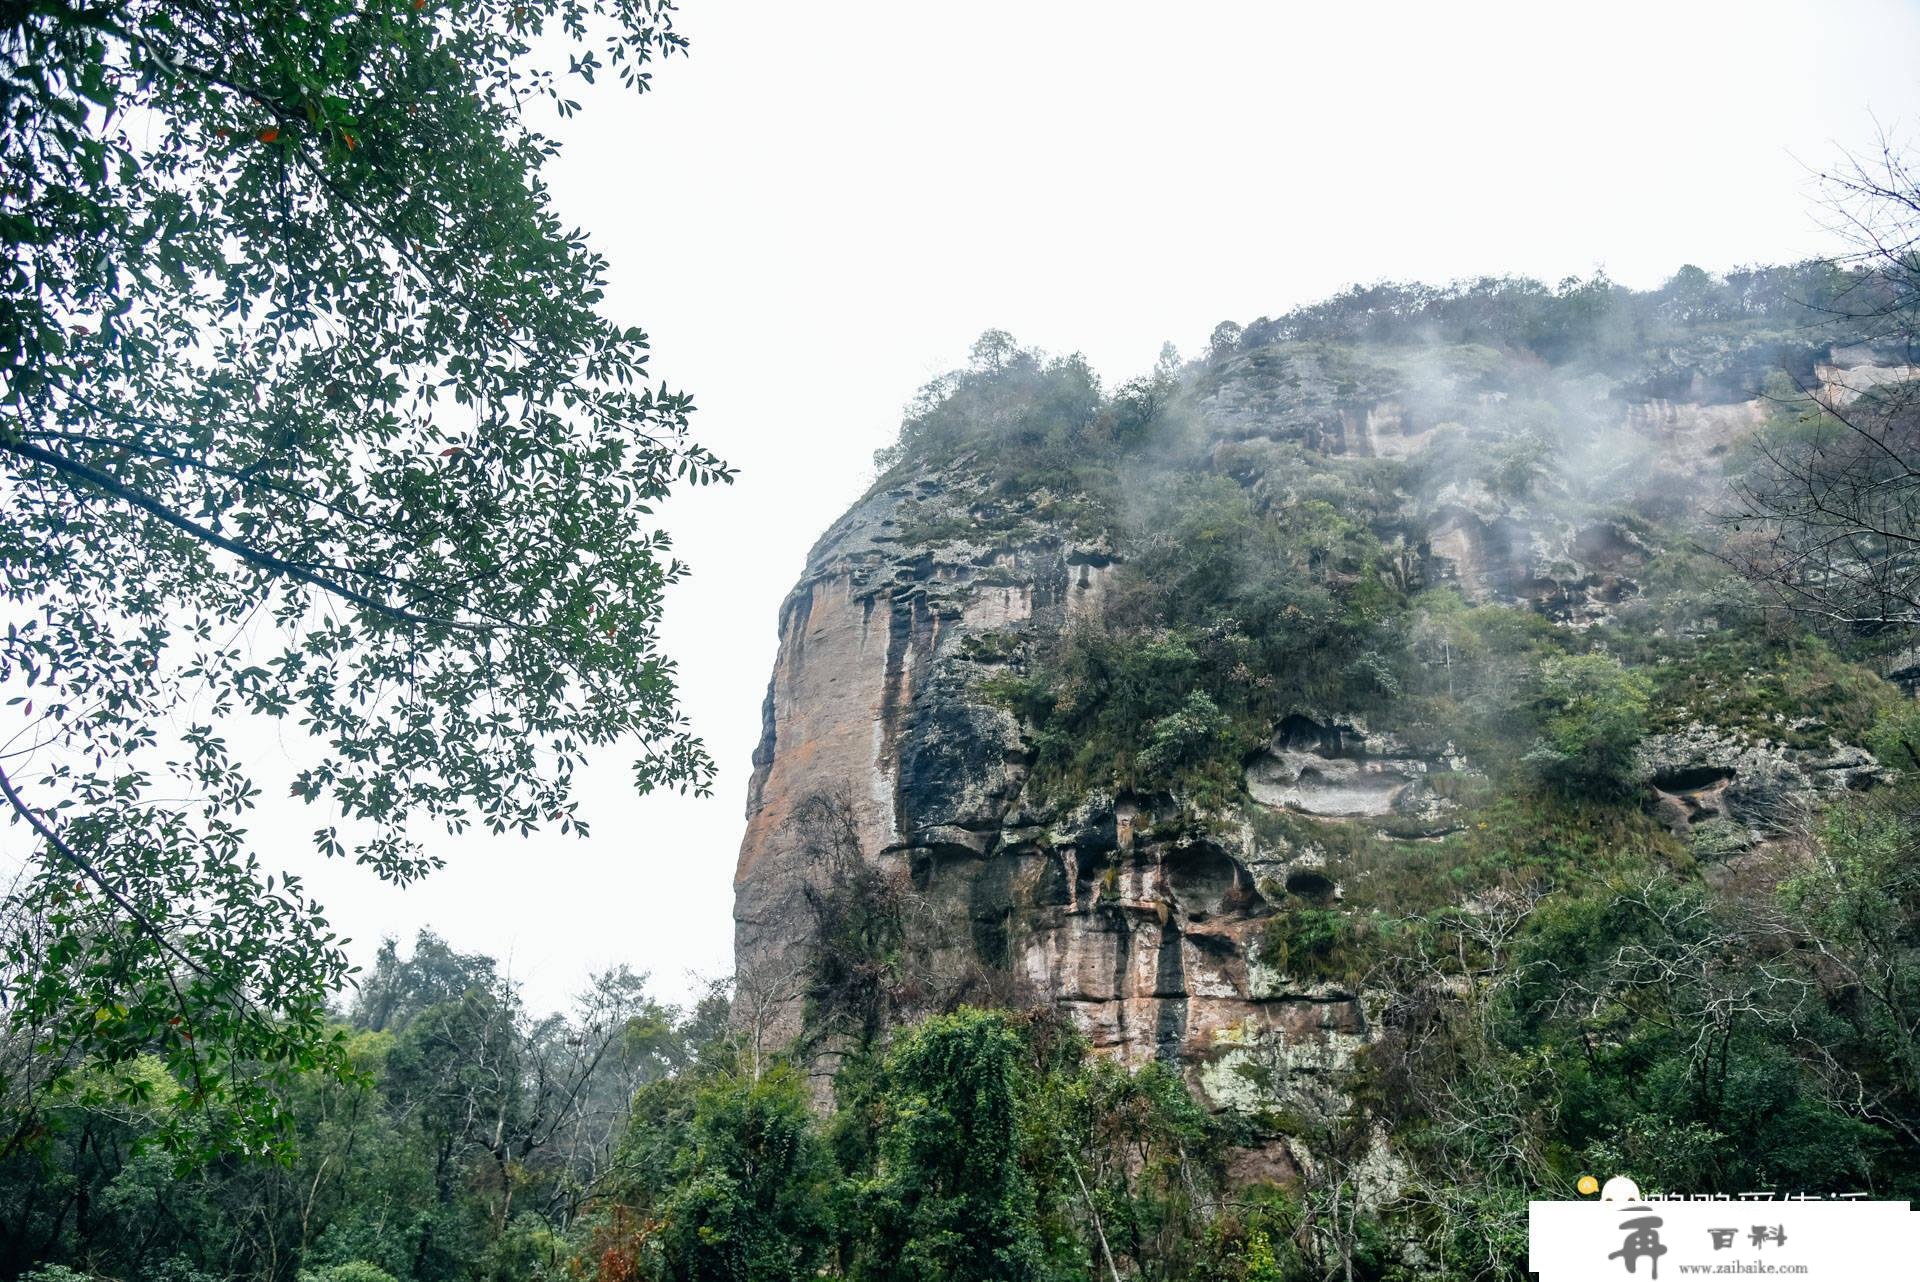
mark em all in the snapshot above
pixel 952 1199
pixel 313 419
pixel 749 1207
pixel 467 1141
pixel 1626 1022
pixel 1796 690
pixel 1227 619
pixel 1594 713
pixel 980 1144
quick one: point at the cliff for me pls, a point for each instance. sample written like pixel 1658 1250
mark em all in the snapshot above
pixel 1329 568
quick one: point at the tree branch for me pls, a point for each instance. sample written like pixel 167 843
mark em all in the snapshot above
pixel 108 484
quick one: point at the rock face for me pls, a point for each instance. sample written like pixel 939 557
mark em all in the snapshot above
pixel 1336 771
pixel 1147 935
pixel 1750 791
pixel 871 700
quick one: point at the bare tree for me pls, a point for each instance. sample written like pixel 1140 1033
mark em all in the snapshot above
pixel 523 1097
pixel 767 992
pixel 584 1069
pixel 1440 1064
pixel 1873 205
pixel 1827 519
pixel 1309 1096
pixel 873 938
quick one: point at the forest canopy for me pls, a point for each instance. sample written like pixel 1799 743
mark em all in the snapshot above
pixel 315 421
pixel 320 429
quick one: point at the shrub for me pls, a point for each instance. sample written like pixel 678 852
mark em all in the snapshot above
pixel 952 1200
pixel 1313 944
pixel 351 1271
pixel 1799 693
pixel 1593 714
pixel 1895 737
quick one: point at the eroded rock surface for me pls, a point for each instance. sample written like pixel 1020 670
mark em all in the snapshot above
pixel 1340 771
pixel 1148 936
pixel 1751 789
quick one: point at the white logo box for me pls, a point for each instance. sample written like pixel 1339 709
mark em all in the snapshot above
pixel 1819 1241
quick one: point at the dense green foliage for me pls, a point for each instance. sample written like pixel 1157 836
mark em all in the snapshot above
pixel 1558 982
pixel 468 1137
pixel 1632 1022
pixel 630 1141
pixel 1593 714
pixel 1569 984
pixel 747 1200
pixel 978 1145
pixel 1263 577
pixel 951 1200
pixel 312 420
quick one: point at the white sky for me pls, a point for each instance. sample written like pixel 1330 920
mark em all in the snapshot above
pixel 821 208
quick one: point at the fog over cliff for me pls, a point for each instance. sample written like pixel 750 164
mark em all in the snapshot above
pixel 1128 182
pixel 1181 706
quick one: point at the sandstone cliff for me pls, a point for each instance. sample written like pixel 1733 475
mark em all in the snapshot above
pixel 1151 930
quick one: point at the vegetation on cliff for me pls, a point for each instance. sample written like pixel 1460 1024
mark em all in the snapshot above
pixel 1431 799
pixel 1564 976
pixel 1558 979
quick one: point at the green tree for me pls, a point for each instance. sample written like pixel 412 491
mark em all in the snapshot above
pixel 398 990
pixel 352 1271
pixel 313 417
pixel 952 1201
pixel 1857 902
pixel 751 1209
pixel 1593 713
pixel 464 1147
pixel 1136 1148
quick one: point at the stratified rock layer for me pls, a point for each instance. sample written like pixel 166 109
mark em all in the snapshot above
pixel 1149 939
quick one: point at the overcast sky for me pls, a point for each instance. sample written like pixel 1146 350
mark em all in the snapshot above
pixel 820 209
